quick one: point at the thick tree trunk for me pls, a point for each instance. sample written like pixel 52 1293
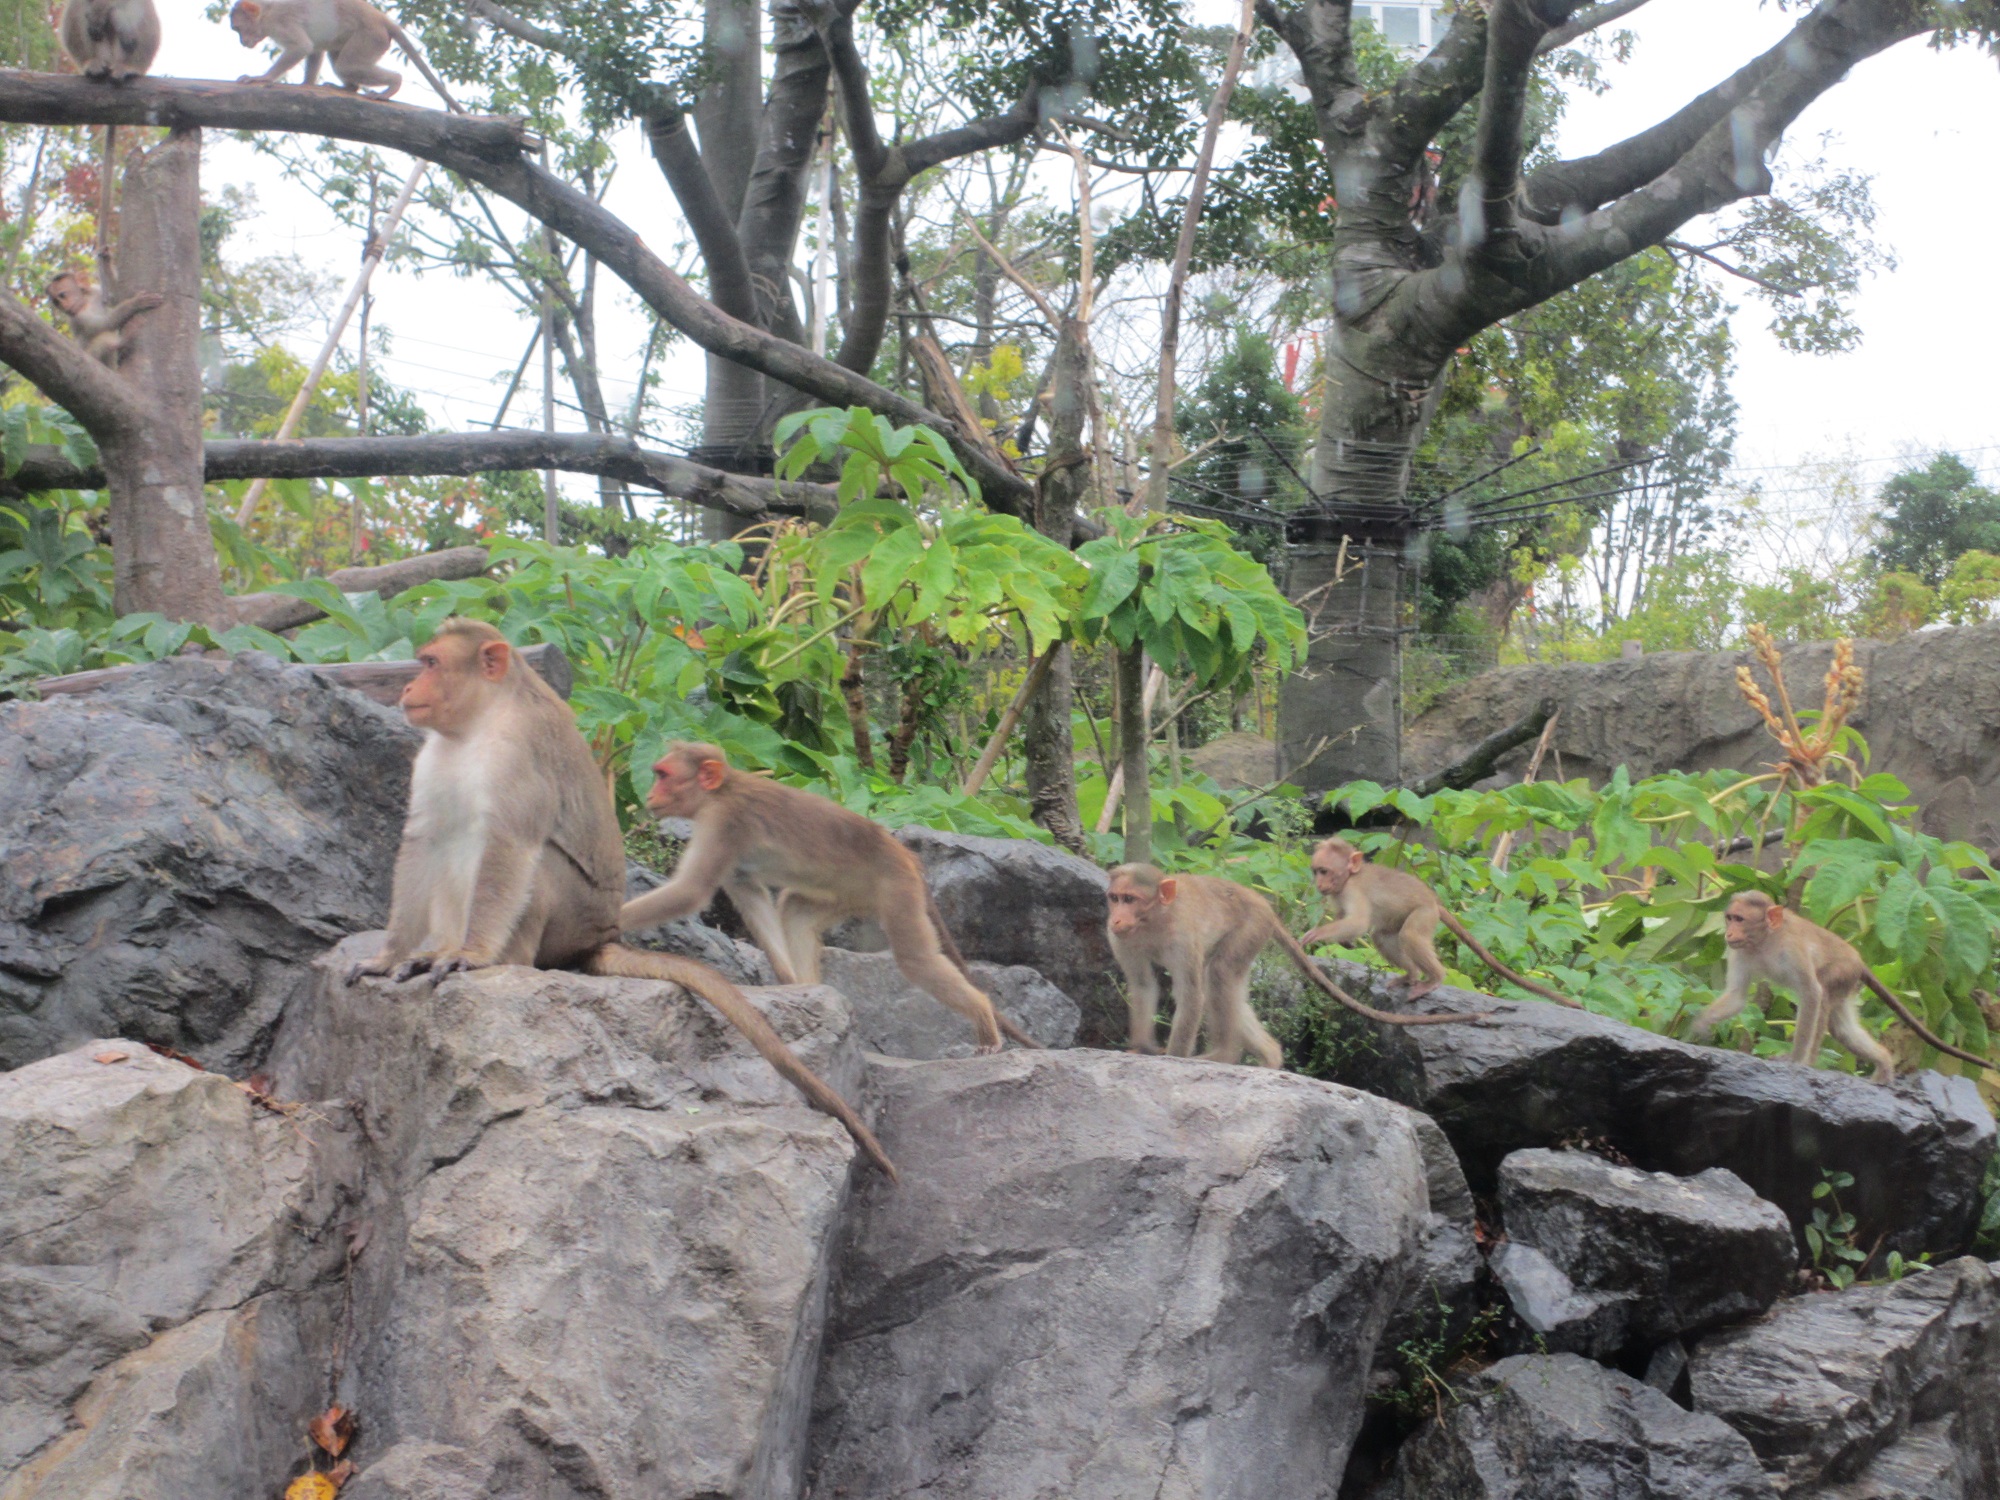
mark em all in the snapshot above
pixel 1349 689
pixel 163 558
pixel 1048 738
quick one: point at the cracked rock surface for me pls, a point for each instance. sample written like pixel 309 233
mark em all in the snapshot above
pixel 1108 1275
pixel 176 849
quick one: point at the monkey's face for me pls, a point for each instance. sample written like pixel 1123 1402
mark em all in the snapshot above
pixel 454 680
pixel 247 19
pixel 1134 907
pixel 676 789
pixel 1333 865
pixel 68 294
pixel 1745 924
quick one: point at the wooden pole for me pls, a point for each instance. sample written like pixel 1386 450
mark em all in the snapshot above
pixel 290 426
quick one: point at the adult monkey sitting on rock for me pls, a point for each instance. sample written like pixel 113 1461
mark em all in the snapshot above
pixel 794 864
pixel 1400 913
pixel 1825 973
pixel 511 852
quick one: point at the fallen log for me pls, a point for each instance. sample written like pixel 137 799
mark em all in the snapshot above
pixel 381 680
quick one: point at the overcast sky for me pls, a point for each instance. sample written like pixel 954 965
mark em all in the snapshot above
pixel 1924 125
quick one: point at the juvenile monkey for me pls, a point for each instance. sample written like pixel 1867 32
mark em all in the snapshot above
pixel 511 852
pixel 1206 932
pixel 114 39
pixel 351 33
pixel 793 865
pixel 1822 970
pixel 1400 913
pixel 97 327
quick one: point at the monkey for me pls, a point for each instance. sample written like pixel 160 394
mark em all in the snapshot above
pixel 511 852
pixel 1206 932
pixel 111 39
pixel 793 865
pixel 95 326
pixel 1765 941
pixel 115 40
pixel 352 34
pixel 1400 913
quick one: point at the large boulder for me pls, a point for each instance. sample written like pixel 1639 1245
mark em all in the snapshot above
pixel 894 1017
pixel 1869 1393
pixel 1441 1295
pixel 1638 1257
pixel 169 1267
pixel 1107 1275
pixel 1930 707
pixel 600 1229
pixel 1558 1427
pixel 177 847
pixel 1013 901
pixel 1538 1074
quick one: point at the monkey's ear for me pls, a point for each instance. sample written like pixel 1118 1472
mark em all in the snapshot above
pixel 493 660
pixel 708 775
pixel 1168 888
pixel 1355 861
pixel 1775 917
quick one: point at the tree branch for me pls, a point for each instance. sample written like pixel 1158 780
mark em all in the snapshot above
pixel 107 406
pixel 613 457
pixel 1514 32
pixel 1715 260
pixel 522 29
pixel 275 612
pixel 1729 161
pixel 1587 21
pixel 490 152
pixel 713 227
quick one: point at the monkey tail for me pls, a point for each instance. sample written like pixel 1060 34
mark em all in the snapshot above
pixel 1008 1029
pixel 1320 977
pixel 104 191
pixel 410 51
pixel 631 963
pixel 1458 931
pixel 1890 999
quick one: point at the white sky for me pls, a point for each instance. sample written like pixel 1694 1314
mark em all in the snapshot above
pixel 1923 124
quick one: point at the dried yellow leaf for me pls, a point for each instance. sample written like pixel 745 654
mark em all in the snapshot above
pixel 311 1487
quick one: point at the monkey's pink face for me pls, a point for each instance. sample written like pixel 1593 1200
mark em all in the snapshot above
pixel 452 682
pixel 1747 927
pixel 247 20
pixel 1332 872
pixel 675 792
pixel 1133 906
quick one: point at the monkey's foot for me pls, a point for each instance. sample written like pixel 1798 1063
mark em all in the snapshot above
pixel 448 964
pixel 410 968
pixel 1148 1049
pixel 1418 991
pixel 371 969
pixel 987 1049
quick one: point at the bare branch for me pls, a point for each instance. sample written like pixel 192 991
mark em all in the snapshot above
pixel 489 152
pixel 1715 260
pixel 608 456
pixel 106 405
pixel 1587 21
pixel 522 29
pixel 1514 31
pixel 711 223
pixel 275 612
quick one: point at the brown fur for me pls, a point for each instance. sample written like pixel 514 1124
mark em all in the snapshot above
pixel 1400 913
pixel 1823 972
pixel 351 34
pixel 94 325
pixel 543 886
pixel 1206 933
pixel 793 865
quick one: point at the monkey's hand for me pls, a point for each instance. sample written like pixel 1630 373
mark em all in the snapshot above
pixel 411 967
pixel 373 968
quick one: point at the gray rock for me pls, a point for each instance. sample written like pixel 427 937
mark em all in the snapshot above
pixel 1239 761
pixel 1108 1275
pixel 1825 1386
pixel 1927 1463
pixel 1558 1427
pixel 602 1229
pixel 1538 1074
pixel 1930 708
pixel 1653 1255
pixel 1553 1309
pixel 139 1195
pixel 176 849
pixel 1014 901
pixel 1441 1296
pixel 894 1017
